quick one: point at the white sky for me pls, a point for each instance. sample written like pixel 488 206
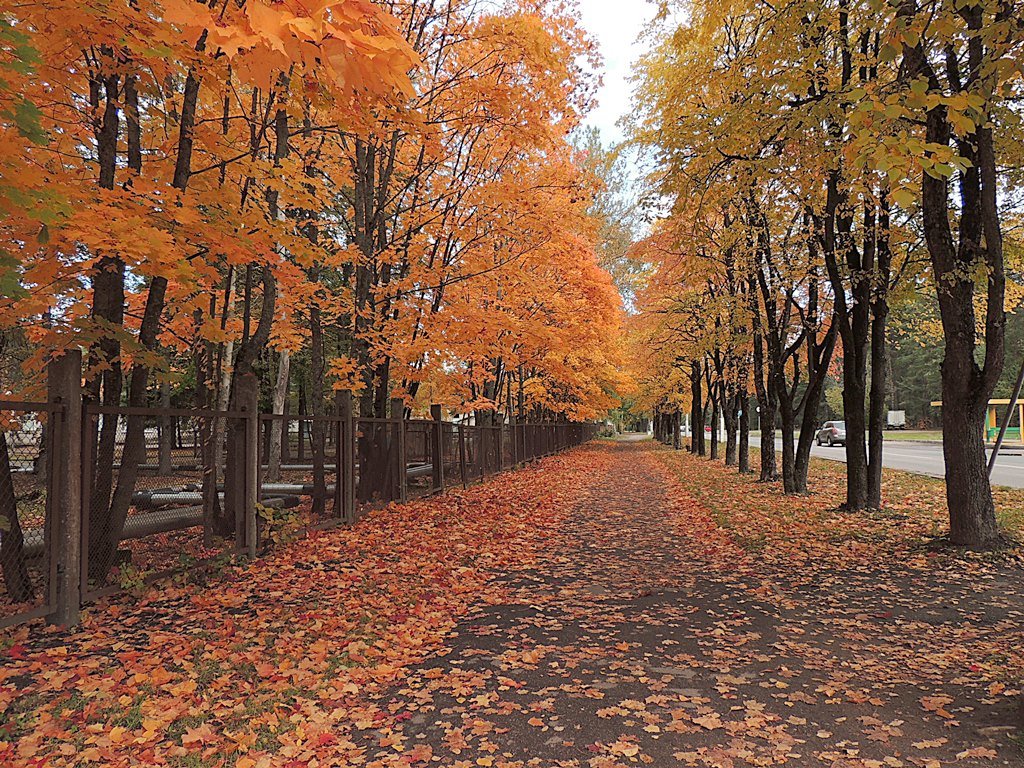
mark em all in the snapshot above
pixel 615 26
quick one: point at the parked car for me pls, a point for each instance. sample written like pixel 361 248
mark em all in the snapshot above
pixel 833 433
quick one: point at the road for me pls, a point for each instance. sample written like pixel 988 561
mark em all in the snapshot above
pixel 926 459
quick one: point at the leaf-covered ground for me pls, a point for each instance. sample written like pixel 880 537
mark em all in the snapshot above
pixel 621 605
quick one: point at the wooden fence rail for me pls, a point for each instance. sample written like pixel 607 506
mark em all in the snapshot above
pixel 96 499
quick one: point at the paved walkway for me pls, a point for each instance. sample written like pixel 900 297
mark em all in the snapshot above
pixel 630 644
pixel 588 612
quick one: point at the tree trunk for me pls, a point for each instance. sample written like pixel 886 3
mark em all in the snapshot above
pixel 134 451
pixel 967 484
pixel 766 421
pixel 789 471
pixel 877 404
pixel 225 363
pixel 278 427
pixel 801 459
pixel 12 540
pixel 697 446
pixel 854 407
pixel 731 425
pixel 743 406
pixel 715 419
pixel 319 433
pixel 966 386
pixel 764 389
pixel 108 311
pixel 819 356
pixel 880 362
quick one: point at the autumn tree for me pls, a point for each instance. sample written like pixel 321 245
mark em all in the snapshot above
pixel 960 72
pixel 696 115
pixel 229 205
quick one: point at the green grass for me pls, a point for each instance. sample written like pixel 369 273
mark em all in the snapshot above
pixel 925 435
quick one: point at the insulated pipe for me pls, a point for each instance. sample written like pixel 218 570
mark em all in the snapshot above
pixel 306 489
pixel 156 499
pixel 152 523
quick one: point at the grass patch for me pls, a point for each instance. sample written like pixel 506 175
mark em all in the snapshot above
pixel 19 717
pixel 766 522
pixel 178 728
pixel 914 435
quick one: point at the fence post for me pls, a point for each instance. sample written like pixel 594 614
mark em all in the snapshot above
pixel 499 457
pixel 462 454
pixel 64 381
pixel 346 469
pixel 398 443
pixel 437 447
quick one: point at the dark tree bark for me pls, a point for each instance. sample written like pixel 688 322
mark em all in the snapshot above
pixel 731 418
pixel 134 450
pixel 108 313
pixel 12 539
pixel 966 385
pixel 819 355
pixel 860 276
pixel 880 364
pixel 697 443
pixel 764 389
pixel 743 406
pixel 319 434
pixel 853 317
pixel 818 344
pixel 853 320
pixel 715 415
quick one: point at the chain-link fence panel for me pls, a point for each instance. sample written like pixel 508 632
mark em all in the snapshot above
pixel 419 459
pixel 29 485
pixel 376 447
pixel 163 491
pixel 299 488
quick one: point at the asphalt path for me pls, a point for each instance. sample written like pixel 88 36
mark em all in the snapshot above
pixel 926 459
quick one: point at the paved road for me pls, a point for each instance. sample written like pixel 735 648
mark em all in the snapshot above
pixel 926 459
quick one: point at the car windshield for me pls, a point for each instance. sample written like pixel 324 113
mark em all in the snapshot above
pixel 839 424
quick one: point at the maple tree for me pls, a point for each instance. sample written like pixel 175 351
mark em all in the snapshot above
pixel 962 70
pixel 254 203
pixel 840 129
pixel 382 194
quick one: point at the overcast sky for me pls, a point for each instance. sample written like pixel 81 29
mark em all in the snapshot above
pixel 615 25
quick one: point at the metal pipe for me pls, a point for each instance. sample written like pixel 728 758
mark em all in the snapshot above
pixel 152 523
pixel 1006 421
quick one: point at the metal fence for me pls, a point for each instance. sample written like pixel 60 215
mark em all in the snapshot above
pixel 96 499
pixel 299 462
pixel 163 490
pixel 29 485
